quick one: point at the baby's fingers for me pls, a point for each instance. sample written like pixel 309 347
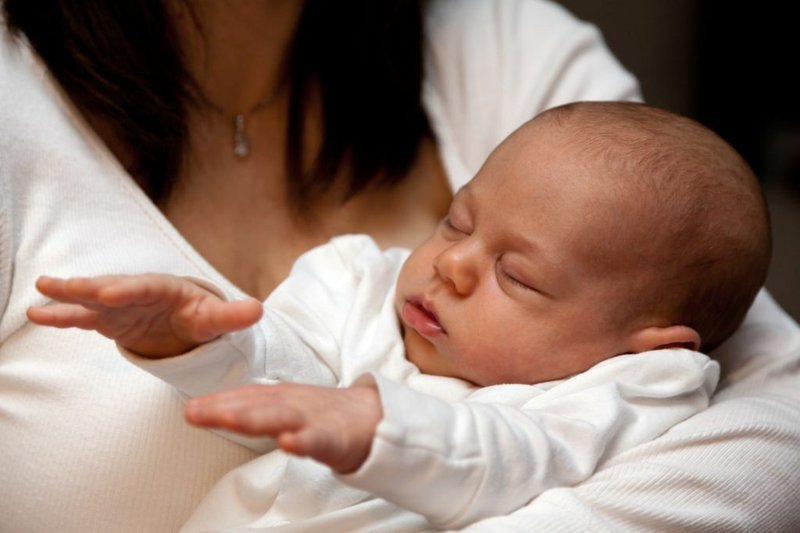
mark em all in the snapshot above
pixel 224 317
pixel 308 442
pixel 63 316
pixel 241 415
pixel 83 291
pixel 54 288
pixel 319 444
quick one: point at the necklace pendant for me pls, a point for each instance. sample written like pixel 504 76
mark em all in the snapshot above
pixel 241 144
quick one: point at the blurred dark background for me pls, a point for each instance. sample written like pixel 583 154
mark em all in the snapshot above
pixel 733 66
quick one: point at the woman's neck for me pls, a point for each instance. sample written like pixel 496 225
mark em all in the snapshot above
pixel 235 49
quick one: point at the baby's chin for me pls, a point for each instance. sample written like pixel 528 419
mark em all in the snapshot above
pixel 424 354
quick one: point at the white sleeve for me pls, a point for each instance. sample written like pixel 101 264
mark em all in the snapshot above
pixel 732 467
pixel 459 462
pixel 299 337
pixel 248 356
pixel 491 65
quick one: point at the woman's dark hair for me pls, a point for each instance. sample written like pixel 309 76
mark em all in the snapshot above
pixel 121 61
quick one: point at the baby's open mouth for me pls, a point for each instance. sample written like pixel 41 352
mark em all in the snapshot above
pixel 425 321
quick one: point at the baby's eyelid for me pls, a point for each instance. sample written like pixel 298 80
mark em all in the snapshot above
pixel 514 279
pixel 448 221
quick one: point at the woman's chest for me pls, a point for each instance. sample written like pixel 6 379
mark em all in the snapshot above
pixel 248 233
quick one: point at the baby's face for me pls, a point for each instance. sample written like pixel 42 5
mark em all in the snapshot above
pixel 510 288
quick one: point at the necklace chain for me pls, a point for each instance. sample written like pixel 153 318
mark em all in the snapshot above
pixel 241 141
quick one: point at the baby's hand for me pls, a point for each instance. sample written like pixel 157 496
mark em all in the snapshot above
pixel 333 426
pixel 153 315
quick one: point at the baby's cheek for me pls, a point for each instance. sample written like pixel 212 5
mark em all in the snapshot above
pixel 477 365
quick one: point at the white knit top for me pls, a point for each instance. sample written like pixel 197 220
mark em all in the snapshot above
pixel 90 442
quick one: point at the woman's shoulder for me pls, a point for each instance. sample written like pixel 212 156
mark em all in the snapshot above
pixel 10 56
pixel 530 49
pixel 13 52
pixel 31 103
pixel 487 15
pixel 493 64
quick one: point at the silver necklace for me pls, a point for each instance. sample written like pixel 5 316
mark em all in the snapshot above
pixel 241 142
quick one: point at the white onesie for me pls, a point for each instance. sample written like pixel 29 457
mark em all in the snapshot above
pixel 445 450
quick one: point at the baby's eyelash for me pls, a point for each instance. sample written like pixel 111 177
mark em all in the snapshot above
pixel 514 281
pixel 449 224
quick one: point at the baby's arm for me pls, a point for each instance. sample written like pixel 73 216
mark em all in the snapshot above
pixel 456 463
pixel 153 315
pixel 334 426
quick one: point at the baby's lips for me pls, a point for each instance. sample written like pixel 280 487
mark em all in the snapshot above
pixel 423 321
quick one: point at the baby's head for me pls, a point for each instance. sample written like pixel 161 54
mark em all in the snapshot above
pixel 594 230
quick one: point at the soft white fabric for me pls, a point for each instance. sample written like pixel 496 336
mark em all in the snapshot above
pixel 733 467
pixel 453 462
pixel 91 442
pixel 493 64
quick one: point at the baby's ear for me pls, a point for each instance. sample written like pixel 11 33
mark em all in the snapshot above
pixel 657 338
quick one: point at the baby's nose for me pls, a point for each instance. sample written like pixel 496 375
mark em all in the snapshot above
pixel 458 266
